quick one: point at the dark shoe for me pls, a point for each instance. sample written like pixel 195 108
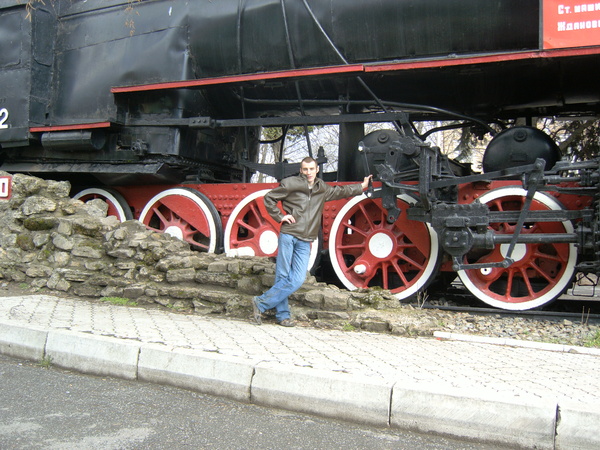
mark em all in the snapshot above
pixel 287 323
pixel 256 315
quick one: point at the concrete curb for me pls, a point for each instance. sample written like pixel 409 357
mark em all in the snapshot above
pixel 475 416
pixel 22 342
pixel 204 372
pixel 578 426
pixel 342 396
pixel 97 355
pixel 374 401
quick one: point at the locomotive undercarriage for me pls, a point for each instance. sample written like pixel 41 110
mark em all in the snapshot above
pixel 464 227
pixel 516 235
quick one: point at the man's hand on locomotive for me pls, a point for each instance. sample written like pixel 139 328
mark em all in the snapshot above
pixel 366 182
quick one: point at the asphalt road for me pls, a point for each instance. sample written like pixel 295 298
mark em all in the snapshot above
pixel 58 409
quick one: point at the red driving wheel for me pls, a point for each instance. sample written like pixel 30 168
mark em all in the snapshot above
pixel 367 251
pixel 540 272
pixel 186 214
pixel 117 205
pixel 250 231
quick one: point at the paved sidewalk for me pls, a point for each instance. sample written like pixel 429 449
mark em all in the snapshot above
pixel 540 395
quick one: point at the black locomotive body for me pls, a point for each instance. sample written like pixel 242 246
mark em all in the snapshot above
pixel 145 96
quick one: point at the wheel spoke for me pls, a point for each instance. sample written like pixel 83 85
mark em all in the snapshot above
pixel 355 229
pixel 348 247
pixel 548 257
pixel 161 217
pixel 509 283
pixel 403 256
pixel 257 214
pixel 541 272
pixel 400 273
pixel 526 281
pixel 241 223
pixel 384 275
pixel 367 218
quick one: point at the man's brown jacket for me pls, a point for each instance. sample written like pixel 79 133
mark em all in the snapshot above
pixel 305 204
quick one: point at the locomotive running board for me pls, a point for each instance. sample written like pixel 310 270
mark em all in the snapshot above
pixel 300 73
pixel 360 69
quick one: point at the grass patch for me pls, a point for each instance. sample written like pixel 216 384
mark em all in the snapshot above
pixel 348 327
pixel 593 341
pixel 119 301
pixel 46 362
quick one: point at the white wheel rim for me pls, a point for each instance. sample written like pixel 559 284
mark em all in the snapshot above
pixel 121 214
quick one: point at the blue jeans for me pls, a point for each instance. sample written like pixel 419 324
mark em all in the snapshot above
pixel 290 272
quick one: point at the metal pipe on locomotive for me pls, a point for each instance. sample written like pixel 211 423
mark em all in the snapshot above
pixel 161 119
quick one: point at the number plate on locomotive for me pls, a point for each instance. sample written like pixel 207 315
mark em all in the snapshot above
pixel 5 187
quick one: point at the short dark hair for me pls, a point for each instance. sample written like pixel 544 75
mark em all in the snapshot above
pixel 308 160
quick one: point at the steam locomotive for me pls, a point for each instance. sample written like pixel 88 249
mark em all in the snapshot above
pixel 156 107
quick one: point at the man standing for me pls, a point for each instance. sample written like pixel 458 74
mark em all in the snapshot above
pixel 303 197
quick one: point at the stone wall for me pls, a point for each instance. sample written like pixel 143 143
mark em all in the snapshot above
pixel 53 243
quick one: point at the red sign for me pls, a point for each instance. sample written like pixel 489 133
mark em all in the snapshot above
pixel 5 187
pixel 571 23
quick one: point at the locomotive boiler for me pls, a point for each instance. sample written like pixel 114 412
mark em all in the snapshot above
pixel 156 107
